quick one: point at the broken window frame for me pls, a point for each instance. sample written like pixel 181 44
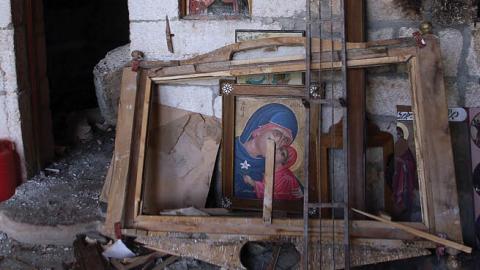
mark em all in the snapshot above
pixel 211 65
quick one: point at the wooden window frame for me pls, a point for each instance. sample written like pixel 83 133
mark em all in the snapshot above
pixel 130 178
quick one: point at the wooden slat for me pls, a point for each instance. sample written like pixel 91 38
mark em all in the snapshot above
pixel 432 139
pixel 426 197
pixel 356 110
pixel 108 183
pixel 143 142
pixel 226 53
pixel 116 200
pixel 269 178
pixel 273 67
pixel 132 185
pixel 418 233
pixel 279 226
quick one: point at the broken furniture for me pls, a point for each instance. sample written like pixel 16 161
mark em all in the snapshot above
pixel 227 235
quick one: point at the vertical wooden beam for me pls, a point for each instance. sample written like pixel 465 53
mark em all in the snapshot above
pixel 433 141
pixel 355 32
pixel 31 67
pixel 143 144
pixel 269 178
pixel 123 143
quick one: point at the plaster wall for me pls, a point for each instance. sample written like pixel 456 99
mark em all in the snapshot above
pixel 10 121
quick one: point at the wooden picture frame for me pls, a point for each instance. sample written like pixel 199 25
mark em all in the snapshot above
pixel 288 97
pixel 436 175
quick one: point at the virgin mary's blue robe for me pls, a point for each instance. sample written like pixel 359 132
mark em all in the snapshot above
pixel 244 164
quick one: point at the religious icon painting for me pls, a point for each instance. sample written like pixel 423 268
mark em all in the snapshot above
pixel 251 117
pixel 216 7
pixel 474 122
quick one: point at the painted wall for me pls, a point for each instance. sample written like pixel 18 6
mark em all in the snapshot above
pixel 10 121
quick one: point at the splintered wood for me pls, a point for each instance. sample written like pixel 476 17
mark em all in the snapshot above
pixel 433 141
pixel 418 233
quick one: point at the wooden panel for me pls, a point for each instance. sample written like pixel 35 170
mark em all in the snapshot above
pixel 147 89
pixel 130 207
pixel 433 141
pixel 231 70
pixel 123 142
pixel 279 226
pixel 355 24
pixel 269 178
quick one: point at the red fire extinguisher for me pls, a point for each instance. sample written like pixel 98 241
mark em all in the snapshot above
pixel 9 170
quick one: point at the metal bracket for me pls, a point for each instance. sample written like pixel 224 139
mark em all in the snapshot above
pixel 169 35
pixel 137 57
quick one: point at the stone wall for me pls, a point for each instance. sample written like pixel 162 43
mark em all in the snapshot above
pixel 385 18
pixel 387 86
pixel 10 122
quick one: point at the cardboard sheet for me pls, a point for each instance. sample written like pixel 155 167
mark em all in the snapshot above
pixel 181 153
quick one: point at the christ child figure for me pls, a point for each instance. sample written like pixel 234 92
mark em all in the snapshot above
pixel 286 186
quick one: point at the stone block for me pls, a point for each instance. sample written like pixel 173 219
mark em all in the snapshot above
pixel 192 37
pixel 151 10
pixel 10 117
pixel 453 96
pixel 218 107
pixel 472 95
pixel 5 13
pixel 8 73
pixel 473 62
pixel 385 10
pixel 107 79
pixel 451 43
pixel 384 93
pixel 406 32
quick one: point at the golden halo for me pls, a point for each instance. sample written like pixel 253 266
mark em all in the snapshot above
pixel 300 156
pixel 404 128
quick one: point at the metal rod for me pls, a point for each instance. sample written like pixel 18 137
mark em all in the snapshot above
pixel 326 205
pixel 307 135
pixel 346 191
pixel 334 261
pixel 318 139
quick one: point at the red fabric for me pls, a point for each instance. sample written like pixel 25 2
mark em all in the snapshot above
pixel 8 170
pixel 198 6
pixel 404 180
pixel 285 182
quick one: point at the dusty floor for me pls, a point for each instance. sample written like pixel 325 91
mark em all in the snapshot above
pixel 64 198
pixel 72 193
